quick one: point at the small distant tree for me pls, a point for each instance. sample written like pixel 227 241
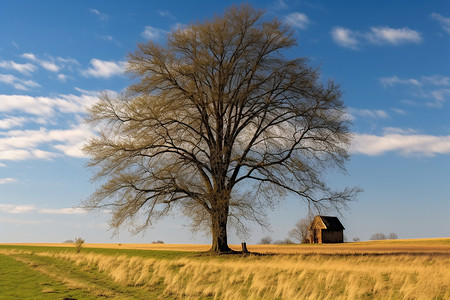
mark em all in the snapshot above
pixel 392 236
pixel 266 240
pixel 157 242
pixel 79 242
pixel 378 236
pixel 356 239
pixel 69 242
pixel 300 231
pixel 283 242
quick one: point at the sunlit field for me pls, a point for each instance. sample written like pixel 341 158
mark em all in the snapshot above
pixel 411 246
pixel 392 269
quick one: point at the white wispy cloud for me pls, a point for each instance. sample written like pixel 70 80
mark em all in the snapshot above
pixel 7 180
pixel 29 56
pixel 436 80
pixel 280 4
pixel 17 209
pixel 67 62
pixel 443 21
pixel 94 94
pixel 101 16
pixel 399 111
pixel 435 89
pixel 63 211
pixel 45 106
pixel 50 63
pixel 380 36
pixel 405 143
pixel 394 80
pixel 17 145
pixel 367 113
pixel 22 154
pixel 104 69
pixel 26 104
pixel 166 13
pixel 345 37
pixel 392 36
pixel 62 77
pixel 153 33
pixel 22 68
pixel 106 37
pixel 439 96
pixel 43 143
pixel 72 140
pixel 297 20
pixel 109 38
pixel 7 123
pixel 49 66
pixel 22 209
pixel 17 83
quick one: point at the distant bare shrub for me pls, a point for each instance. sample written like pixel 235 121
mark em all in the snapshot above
pixel 392 236
pixel 158 242
pixel 69 242
pixel 382 236
pixel 356 239
pixel 283 242
pixel 300 231
pixel 378 236
pixel 266 240
pixel 79 242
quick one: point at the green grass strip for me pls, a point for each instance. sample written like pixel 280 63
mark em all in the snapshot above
pixel 19 281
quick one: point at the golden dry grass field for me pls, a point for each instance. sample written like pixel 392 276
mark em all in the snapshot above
pixel 405 246
pixel 391 269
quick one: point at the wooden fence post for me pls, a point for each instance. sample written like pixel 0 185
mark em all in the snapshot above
pixel 244 247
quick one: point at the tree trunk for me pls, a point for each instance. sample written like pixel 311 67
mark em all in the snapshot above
pixel 219 232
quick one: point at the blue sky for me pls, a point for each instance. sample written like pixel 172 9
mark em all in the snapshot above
pixel 390 58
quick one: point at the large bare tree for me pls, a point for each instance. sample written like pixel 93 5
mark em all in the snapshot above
pixel 218 125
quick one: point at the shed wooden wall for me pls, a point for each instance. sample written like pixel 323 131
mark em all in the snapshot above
pixel 315 236
pixel 332 236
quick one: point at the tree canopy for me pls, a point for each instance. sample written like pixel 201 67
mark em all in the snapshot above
pixel 219 125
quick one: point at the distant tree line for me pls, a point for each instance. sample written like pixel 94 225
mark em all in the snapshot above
pixel 267 240
pixel 382 236
pixel 158 242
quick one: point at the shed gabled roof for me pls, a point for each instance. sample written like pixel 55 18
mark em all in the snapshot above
pixel 331 223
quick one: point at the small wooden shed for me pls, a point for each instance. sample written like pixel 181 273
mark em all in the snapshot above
pixel 326 229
